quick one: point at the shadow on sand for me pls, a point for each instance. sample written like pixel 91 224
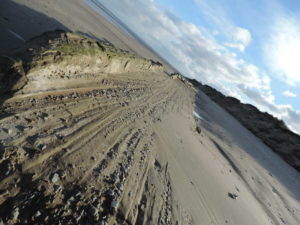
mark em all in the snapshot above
pixel 18 24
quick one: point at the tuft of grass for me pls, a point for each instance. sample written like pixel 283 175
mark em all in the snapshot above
pixel 77 49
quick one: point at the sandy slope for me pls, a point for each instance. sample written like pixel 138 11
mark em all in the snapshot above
pixel 267 186
pixel 272 131
pixel 94 135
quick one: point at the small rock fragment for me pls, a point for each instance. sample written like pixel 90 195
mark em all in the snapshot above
pixel 93 211
pixel 110 193
pixel 15 214
pixel 70 200
pixel 42 147
pixel 54 178
pixel 62 174
pixel 57 188
pixel 8 131
pixel 114 205
pixel 37 214
pixel 232 195
pixel 198 129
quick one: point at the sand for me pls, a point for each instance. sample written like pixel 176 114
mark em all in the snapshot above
pixel 94 135
pixel 227 158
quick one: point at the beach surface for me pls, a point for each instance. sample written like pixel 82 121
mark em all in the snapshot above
pixel 92 134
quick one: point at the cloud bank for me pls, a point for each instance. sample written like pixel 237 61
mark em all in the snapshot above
pixel 242 38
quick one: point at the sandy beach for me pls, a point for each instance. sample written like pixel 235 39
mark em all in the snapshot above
pixel 92 134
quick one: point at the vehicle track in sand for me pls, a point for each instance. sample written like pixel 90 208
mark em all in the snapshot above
pixel 82 154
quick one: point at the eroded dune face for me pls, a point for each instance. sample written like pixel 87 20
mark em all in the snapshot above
pixel 77 143
pixel 59 60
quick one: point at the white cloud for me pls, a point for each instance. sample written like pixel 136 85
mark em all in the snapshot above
pixel 283 50
pixel 242 35
pixel 289 94
pixel 239 46
pixel 237 37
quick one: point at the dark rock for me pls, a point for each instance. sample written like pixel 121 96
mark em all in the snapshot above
pixel 157 164
pixel 232 195
pixel 42 147
pixel 198 129
pixel 21 128
pixel 109 193
pixel 62 174
pixel 57 188
pixel 93 211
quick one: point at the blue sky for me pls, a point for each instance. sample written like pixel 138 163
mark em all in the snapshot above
pixel 257 16
pixel 248 49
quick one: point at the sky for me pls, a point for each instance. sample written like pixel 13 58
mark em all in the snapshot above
pixel 247 49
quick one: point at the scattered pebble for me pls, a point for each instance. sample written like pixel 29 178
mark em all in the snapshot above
pixel 93 211
pixel 232 195
pixel 42 147
pixel 37 214
pixel 114 205
pixel 15 214
pixel 54 178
